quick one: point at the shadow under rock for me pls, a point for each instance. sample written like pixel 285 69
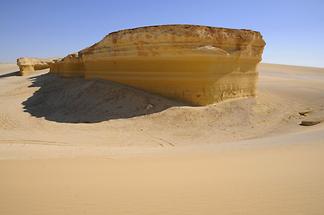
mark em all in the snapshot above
pixel 16 73
pixel 75 100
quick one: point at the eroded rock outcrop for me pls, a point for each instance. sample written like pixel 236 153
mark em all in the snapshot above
pixel 196 64
pixel 29 65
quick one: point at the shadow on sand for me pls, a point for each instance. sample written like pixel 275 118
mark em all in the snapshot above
pixel 75 100
pixel 16 73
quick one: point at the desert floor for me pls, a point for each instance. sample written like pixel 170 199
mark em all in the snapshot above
pixel 73 146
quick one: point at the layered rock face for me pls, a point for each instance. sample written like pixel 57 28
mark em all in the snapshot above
pixel 196 64
pixel 29 65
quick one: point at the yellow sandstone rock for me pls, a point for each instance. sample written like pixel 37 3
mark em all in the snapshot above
pixel 29 65
pixel 197 64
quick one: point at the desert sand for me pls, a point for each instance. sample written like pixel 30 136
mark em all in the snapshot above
pixel 119 150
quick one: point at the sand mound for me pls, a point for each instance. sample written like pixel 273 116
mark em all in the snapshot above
pixel 90 101
pixel 41 108
pixel 77 100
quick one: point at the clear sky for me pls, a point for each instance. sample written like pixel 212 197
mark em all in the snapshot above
pixel 293 30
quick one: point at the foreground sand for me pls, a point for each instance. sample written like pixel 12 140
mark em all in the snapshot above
pixel 149 155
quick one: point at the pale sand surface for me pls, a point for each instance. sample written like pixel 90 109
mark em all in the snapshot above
pixel 142 154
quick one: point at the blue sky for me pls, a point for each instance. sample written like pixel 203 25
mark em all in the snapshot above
pixel 293 30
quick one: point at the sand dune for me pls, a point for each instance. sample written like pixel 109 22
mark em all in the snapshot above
pixel 79 101
pixel 119 150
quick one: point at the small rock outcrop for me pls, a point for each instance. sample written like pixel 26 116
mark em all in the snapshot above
pixel 29 65
pixel 196 64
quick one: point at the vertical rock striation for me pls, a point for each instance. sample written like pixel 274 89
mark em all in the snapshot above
pixel 197 64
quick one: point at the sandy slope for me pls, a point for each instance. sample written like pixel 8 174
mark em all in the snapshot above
pixel 118 150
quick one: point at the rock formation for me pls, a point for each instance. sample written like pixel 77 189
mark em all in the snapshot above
pixel 197 64
pixel 29 65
